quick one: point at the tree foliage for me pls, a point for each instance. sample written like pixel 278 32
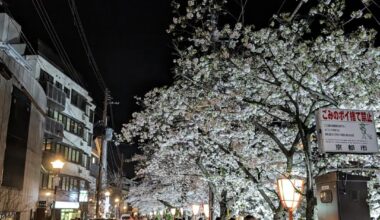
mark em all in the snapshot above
pixel 241 112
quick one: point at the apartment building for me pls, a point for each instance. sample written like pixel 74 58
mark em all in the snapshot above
pixel 68 136
pixel 23 107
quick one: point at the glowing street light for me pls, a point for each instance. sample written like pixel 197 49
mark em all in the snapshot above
pixel 107 193
pixel 195 209
pixel 206 210
pixel 57 164
pixel 172 211
pixel 289 192
pixel 117 200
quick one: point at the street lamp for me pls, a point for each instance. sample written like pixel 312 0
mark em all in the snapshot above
pixel 172 211
pixel 206 210
pixel 117 207
pixel 57 165
pixel 290 193
pixel 195 209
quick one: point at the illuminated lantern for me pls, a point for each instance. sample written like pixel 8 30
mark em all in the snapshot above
pixel 289 192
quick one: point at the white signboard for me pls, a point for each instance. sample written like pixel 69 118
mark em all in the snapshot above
pixel 346 131
pixel 66 205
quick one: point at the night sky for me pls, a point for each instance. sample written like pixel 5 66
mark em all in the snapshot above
pixel 129 42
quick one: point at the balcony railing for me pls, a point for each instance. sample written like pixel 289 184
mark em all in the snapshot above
pixel 56 97
pixel 53 129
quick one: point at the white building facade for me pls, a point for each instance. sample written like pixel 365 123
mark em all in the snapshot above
pixel 23 106
pixel 68 136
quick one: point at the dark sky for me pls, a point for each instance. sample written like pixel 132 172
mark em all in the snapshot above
pixel 128 40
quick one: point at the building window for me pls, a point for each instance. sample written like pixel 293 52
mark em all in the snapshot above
pixel 89 141
pixel 67 183
pixel 71 125
pixel 45 78
pixel 69 153
pixel 91 117
pixel 58 85
pixel 67 91
pixel 93 160
pixel 16 140
pixel 78 100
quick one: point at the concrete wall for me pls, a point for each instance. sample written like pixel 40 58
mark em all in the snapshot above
pixel 15 200
pixel 12 200
pixel 5 100
pixel 9 29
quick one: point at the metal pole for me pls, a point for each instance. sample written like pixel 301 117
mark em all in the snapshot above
pixel 56 183
pixel 53 208
pixel 99 179
pixel 290 214
pixel 211 202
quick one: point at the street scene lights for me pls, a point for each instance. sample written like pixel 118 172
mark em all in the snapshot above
pixel 206 210
pixel 173 211
pixel 289 192
pixel 57 166
pixel 195 209
pixel 117 207
pixel 107 193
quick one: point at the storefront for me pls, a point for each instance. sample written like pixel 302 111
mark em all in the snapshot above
pixel 70 214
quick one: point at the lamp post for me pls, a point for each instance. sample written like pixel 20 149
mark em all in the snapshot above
pixel 57 165
pixel 206 210
pixel 173 211
pixel 195 209
pixel 117 207
pixel 290 193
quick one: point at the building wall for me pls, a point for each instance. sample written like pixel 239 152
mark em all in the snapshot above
pixel 39 64
pixel 11 199
pixel 15 73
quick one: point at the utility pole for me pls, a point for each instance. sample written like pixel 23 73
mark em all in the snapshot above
pixel 101 162
pixel 121 184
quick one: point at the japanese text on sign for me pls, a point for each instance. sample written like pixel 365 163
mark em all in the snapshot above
pixel 346 131
pixel 346 115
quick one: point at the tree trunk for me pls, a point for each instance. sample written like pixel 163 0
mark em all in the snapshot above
pixel 310 199
pixel 211 191
pixel 310 204
pixel 280 213
pixel 223 205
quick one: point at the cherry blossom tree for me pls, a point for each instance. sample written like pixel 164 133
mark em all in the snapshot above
pixel 241 112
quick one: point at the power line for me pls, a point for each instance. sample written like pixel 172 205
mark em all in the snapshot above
pixel 86 46
pixel 49 27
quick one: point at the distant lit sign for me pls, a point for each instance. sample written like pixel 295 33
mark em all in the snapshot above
pixel 66 205
pixel 83 196
pixel 41 204
pixel 346 131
